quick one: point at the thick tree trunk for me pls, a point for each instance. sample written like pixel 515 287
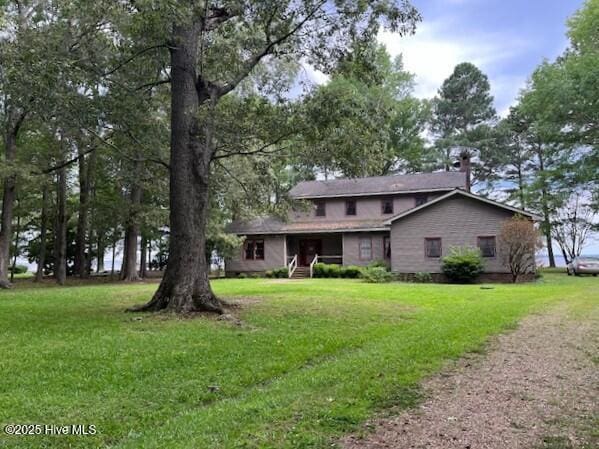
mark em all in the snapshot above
pixel 60 239
pixel 8 202
pixel 41 260
pixel 143 258
pixel 185 286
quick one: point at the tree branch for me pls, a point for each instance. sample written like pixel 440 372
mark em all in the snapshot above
pixel 153 84
pixel 270 44
pixel 131 58
pixel 260 150
pixel 65 163
pixel 220 164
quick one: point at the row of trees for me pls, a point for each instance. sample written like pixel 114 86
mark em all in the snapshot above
pixel 151 125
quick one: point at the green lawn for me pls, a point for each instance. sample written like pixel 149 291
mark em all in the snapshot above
pixel 311 361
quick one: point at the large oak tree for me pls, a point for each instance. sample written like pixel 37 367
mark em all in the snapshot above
pixel 215 46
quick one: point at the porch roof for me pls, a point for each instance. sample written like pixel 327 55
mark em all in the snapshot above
pixel 271 225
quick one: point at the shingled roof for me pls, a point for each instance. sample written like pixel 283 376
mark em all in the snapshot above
pixel 271 225
pixel 379 185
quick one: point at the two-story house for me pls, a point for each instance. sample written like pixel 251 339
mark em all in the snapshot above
pixel 407 221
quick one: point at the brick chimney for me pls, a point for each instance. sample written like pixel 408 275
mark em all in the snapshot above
pixel 465 168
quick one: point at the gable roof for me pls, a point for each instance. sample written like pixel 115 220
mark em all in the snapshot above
pixel 379 185
pixel 460 192
pixel 272 225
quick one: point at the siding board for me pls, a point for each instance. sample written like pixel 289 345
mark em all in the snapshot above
pixel 458 221
pixel 274 256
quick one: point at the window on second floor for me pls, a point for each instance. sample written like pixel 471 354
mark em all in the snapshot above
pixel 320 208
pixel 350 207
pixel 432 247
pixel 387 206
pixel 487 246
pixel 421 199
pixel 253 250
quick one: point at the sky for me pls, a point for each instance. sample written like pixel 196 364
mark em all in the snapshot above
pixel 506 39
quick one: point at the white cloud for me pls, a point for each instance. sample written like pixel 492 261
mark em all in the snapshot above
pixel 315 75
pixel 437 47
pixel 505 89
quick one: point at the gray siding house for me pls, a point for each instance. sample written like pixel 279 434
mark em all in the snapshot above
pixel 408 221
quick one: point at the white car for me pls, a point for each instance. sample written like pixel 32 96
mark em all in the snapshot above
pixel 583 265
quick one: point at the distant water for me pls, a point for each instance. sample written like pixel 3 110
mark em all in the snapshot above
pixel 543 260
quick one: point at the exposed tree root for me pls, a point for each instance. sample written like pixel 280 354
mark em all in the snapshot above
pixel 5 284
pixel 183 304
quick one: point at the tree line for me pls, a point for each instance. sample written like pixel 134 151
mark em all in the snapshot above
pixel 146 127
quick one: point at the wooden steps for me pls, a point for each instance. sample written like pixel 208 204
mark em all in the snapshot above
pixel 301 273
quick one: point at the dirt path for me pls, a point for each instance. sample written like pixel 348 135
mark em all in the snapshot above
pixel 536 387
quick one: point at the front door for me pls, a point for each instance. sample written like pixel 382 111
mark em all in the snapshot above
pixel 308 248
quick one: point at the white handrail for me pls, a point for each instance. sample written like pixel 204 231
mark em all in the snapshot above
pixel 312 264
pixel 292 266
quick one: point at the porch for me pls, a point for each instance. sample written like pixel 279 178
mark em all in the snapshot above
pixel 328 248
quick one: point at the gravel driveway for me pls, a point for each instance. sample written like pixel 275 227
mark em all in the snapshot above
pixel 535 387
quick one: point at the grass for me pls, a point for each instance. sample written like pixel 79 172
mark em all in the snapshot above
pixel 311 361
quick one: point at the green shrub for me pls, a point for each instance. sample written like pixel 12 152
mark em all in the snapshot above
pixel 351 272
pixel 242 275
pixel 378 264
pixel 463 265
pixel 423 277
pixel 376 275
pixel 280 273
pixel 334 271
pixel 19 269
pixel 319 270
pixel 323 270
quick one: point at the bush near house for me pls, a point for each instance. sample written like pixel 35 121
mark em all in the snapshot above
pixel 377 275
pixel 379 264
pixel 463 265
pixel 279 273
pixel 323 270
pixel 423 277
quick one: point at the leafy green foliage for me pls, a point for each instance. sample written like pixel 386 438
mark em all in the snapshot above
pixel 378 264
pixel 279 273
pixel 423 277
pixel 463 265
pixel 462 114
pixel 323 270
pixel 365 121
pixel 376 275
